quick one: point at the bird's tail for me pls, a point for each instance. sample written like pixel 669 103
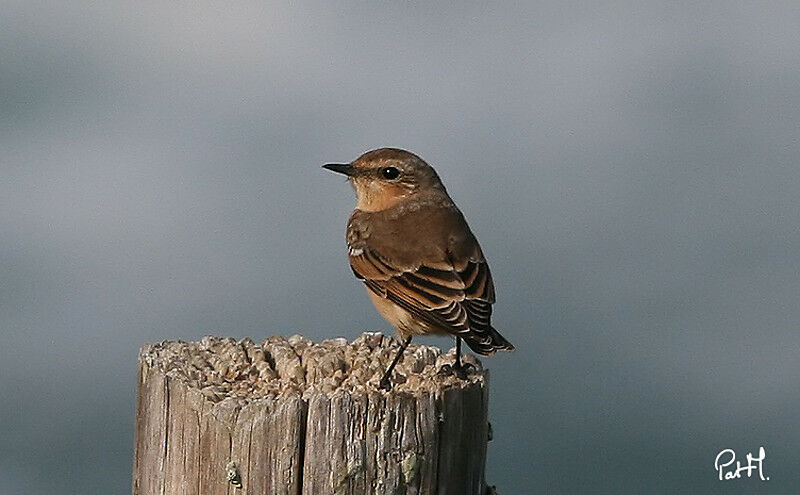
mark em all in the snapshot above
pixel 488 343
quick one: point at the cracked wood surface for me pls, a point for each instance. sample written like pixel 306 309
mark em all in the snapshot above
pixel 288 416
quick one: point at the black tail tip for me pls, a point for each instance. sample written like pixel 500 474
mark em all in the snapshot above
pixel 500 343
pixel 489 347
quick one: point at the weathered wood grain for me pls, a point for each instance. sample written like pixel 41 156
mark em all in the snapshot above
pixel 291 417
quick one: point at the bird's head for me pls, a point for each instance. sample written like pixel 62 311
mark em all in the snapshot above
pixel 384 177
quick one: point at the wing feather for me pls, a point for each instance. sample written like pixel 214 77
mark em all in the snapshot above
pixel 455 301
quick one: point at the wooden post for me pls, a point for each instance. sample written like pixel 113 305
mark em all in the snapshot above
pixel 292 417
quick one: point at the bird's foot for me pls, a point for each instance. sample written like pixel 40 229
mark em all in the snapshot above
pixel 459 368
pixel 385 383
pixel 463 370
pixel 445 370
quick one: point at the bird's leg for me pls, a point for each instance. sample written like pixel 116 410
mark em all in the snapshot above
pixel 386 381
pixel 459 369
pixel 457 363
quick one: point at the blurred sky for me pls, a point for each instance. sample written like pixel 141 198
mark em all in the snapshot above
pixel 632 172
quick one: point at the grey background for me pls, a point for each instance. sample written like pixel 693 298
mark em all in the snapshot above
pixel 630 170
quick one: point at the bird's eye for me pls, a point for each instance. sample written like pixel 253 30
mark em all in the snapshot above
pixel 390 173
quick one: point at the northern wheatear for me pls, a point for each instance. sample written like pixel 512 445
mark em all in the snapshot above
pixel 412 248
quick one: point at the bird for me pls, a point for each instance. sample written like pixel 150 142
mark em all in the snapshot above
pixel 411 247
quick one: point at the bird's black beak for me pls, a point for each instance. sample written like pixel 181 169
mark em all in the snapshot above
pixel 342 168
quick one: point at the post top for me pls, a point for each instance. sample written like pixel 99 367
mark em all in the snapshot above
pixel 222 368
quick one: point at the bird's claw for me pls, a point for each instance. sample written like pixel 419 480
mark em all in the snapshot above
pixel 445 370
pixel 462 370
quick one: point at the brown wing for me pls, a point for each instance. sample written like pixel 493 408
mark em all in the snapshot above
pixel 455 296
